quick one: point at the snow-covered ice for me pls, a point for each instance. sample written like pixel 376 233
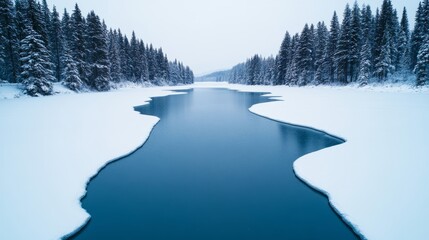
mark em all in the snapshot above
pixel 51 146
pixel 377 180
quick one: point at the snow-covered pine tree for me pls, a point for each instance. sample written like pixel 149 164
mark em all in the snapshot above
pixel 9 45
pixel 67 34
pixel 355 43
pixel 144 66
pixel 365 65
pixel 384 63
pixel 126 66
pixel 342 55
pixel 151 60
pixel 331 48
pixel 99 77
pixel 36 73
pixel 283 60
pixel 420 31
pixel 21 20
pixel 114 59
pixel 321 41
pixel 292 70
pixel 135 60
pixel 46 16
pixel 77 43
pixel 70 73
pixel 422 66
pixel 404 45
pixel 56 43
pixel 254 69
pixel 304 59
pixel 36 20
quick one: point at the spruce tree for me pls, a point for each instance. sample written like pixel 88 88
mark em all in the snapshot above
pixel 342 55
pixel 404 45
pixel 114 58
pixel 331 48
pixel 365 64
pixel 418 35
pixel 36 71
pixel 9 45
pixel 355 43
pixel 422 66
pixel 70 73
pixel 144 64
pixel 321 41
pixel 97 54
pixel 304 57
pixel 283 60
pixel 56 43
pixel 35 18
pixel 77 43
pixel 384 63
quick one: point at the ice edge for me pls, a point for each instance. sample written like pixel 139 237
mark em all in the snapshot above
pixel 343 217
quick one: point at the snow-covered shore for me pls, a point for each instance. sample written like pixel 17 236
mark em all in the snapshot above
pixel 377 180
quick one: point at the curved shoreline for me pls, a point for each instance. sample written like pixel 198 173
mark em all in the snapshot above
pixel 350 225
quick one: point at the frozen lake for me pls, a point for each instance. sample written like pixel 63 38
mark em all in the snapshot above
pixel 212 170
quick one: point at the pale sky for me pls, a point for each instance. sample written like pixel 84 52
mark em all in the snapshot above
pixel 210 35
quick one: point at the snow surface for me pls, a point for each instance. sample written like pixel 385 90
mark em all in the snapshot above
pixel 377 180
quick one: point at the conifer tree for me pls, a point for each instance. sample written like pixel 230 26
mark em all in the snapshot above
pixel 77 43
pixel 114 58
pixel 283 60
pixel 342 55
pixel 56 43
pixel 422 66
pixel 365 64
pixel 331 48
pixel 322 39
pixel 36 71
pixel 97 54
pixel 9 46
pixel 304 57
pixel 70 73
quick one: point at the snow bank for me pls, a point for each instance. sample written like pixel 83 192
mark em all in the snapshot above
pixel 51 146
pixel 377 180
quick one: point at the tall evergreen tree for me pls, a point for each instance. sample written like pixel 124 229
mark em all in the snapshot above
pixel 320 45
pixel 422 66
pixel 419 32
pixel 56 43
pixel 305 57
pixel 342 55
pixel 404 45
pixel 355 42
pixel 283 60
pixel 9 65
pixel 77 44
pixel 36 71
pixel 70 73
pixel 365 64
pixel 331 48
pixel 114 58
pixel 97 54
pixel 35 18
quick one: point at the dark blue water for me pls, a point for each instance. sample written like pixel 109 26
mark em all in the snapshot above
pixel 212 170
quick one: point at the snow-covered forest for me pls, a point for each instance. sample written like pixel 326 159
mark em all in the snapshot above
pixel 367 47
pixel 39 47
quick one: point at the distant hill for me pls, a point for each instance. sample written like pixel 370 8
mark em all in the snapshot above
pixel 219 76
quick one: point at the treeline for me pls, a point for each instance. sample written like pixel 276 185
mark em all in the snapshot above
pixel 363 48
pixel 38 48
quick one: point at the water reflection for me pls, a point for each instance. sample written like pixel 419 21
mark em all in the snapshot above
pixel 212 170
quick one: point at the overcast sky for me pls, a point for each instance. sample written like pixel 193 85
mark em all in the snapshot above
pixel 211 35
